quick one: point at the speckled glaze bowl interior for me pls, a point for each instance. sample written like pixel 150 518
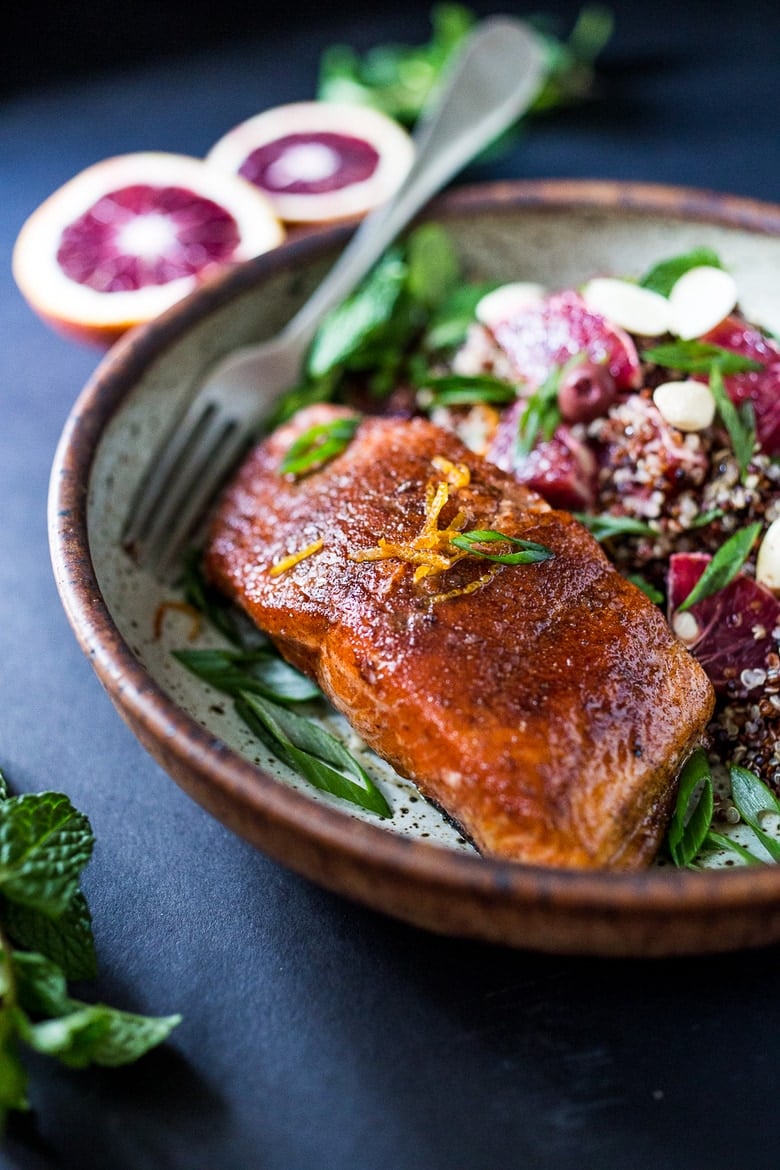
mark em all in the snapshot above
pixel 415 866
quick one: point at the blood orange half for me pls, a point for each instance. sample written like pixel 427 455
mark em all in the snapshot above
pixel 731 632
pixel 131 235
pixel 318 161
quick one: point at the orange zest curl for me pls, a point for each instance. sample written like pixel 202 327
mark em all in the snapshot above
pixel 431 551
pixel 178 607
pixel 287 563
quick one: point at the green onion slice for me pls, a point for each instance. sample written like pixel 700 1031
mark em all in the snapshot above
pixel 724 566
pixel 529 551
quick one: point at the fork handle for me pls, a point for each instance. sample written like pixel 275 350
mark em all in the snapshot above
pixel 493 80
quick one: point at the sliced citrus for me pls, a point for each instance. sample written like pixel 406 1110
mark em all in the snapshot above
pixel 318 161
pixel 731 632
pixel 131 235
pixel 540 336
pixel 562 469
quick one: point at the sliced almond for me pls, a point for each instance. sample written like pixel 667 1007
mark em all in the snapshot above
pixel 687 406
pixel 700 300
pixel 627 305
pixel 503 302
pixel 768 560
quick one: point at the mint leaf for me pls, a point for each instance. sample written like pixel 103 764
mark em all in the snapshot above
pixel 44 845
pixel 450 322
pixel 13 1076
pixel 352 325
pixel 97 1034
pixel 41 988
pixel 663 276
pixel 433 266
pixel 394 78
pixel 66 940
pixel 3 787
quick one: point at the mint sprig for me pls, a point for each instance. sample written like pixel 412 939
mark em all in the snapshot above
pixel 46 940
pixel 399 79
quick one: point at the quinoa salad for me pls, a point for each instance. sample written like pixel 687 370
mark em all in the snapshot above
pixel 652 411
pixel 647 405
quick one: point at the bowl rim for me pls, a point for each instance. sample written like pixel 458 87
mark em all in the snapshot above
pixel 203 765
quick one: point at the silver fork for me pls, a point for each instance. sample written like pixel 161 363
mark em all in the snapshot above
pixel 493 81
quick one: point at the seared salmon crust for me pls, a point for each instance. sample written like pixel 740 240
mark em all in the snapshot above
pixel 546 707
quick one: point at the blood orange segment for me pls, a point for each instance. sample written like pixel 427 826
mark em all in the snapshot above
pixel 761 387
pixel 130 236
pixel 541 336
pixel 730 632
pixel 318 161
pixel 562 469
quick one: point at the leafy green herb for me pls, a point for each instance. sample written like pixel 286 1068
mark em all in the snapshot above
pixel 307 393
pixel 753 800
pixel 318 445
pixel 433 268
pixel 692 814
pixel 739 421
pixel 715 840
pixel 724 566
pixel 46 940
pixel 605 526
pixel 541 415
pixel 214 607
pixel 465 390
pixel 262 685
pixel 377 334
pixel 663 276
pixel 647 587
pixel 697 357
pixel 399 79
pixel 706 518
pixel 260 672
pixel 530 552
pixel 450 322
pixel 690 830
pixel 571 75
pixel 356 321
pixel 312 752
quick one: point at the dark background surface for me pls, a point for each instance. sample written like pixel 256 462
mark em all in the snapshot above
pixel 316 1033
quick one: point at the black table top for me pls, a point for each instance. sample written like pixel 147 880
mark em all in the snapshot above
pixel 317 1033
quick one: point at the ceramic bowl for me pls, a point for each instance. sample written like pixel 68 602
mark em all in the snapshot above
pixel 415 867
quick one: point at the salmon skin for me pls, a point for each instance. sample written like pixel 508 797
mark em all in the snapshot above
pixel 545 707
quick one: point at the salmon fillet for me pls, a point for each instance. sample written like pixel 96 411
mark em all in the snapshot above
pixel 545 707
